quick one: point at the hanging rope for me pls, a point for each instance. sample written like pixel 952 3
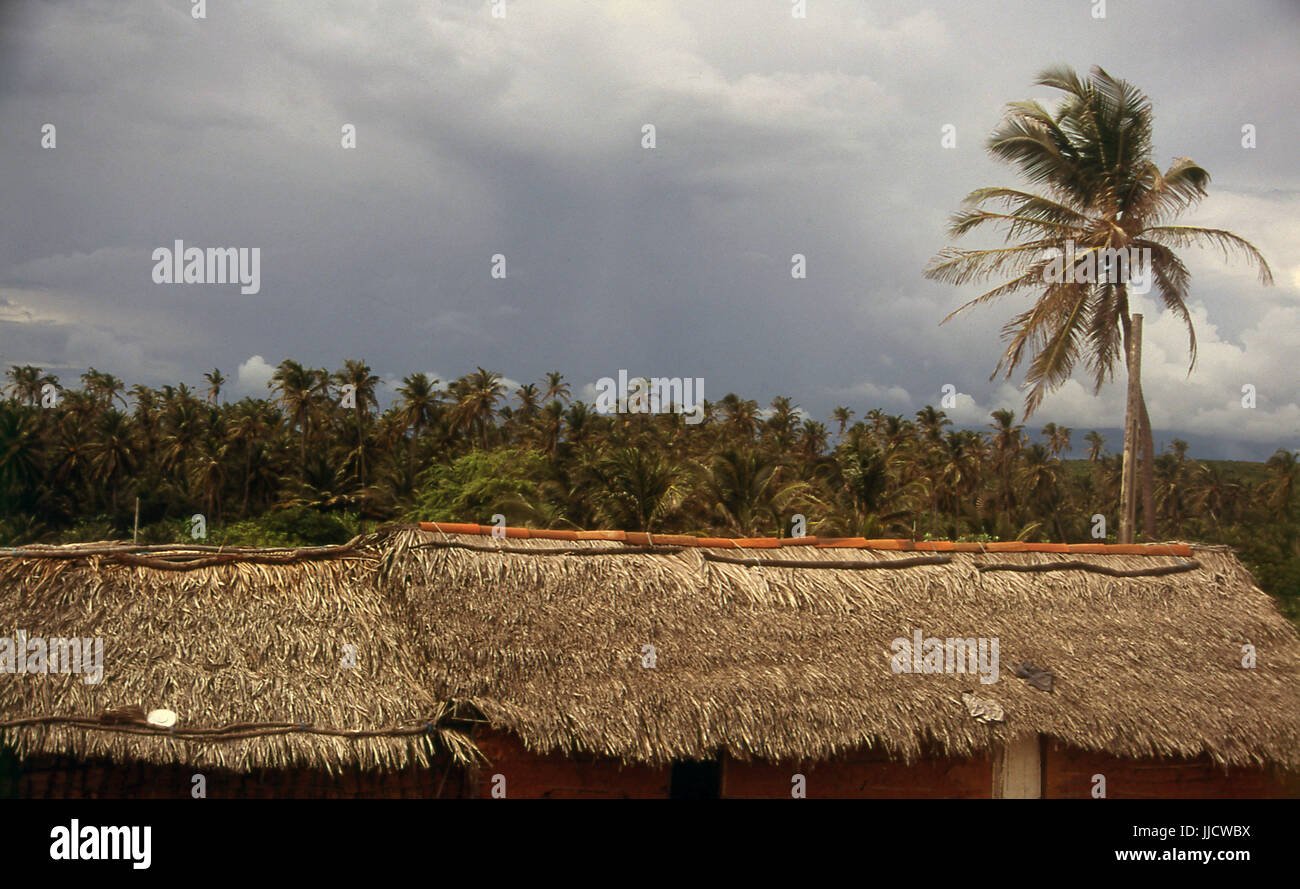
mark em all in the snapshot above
pixel 235 731
pixel 1158 571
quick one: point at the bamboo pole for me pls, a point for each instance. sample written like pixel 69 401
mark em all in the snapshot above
pixel 1128 477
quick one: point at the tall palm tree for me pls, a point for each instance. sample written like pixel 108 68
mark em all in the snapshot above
pixel 102 387
pixel 961 468
pixel 1096 445
pixel 812 441
pixel 357 375
pixel 26 382
pixel 112 453
pixel 782 424
pixel 216 379
pixel 1283 481
pixel 293 385
pixel 1172 488
pixel 476 397
pixel 1092 156
pixel 1057 439
pixel 1038 481
pixel 894 433
pixel 931 422
pixel 528 401
pixel 182 432
pixel 1008 440
pixel 578 420
pixel 250 426
pixel 1214 494
pixel 419 404
pixel 551 422
pixel 870 491
pixel 556 388
pixel 22 455
pixel 208 475
pixel 842 415
pixel 741 415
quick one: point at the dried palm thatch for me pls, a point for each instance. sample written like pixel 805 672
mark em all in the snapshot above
pixel 246 647
pixel 759 650
pixel 547 639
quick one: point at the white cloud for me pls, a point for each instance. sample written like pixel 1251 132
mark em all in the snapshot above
pixel 253 375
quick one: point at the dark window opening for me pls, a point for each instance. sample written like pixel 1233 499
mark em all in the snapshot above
pixel 696 780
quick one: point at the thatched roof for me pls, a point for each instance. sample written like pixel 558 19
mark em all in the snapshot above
pixel 546 639
pixel 246 647
pixel 762 648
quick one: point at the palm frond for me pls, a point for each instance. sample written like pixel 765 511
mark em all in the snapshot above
pixel 1228 243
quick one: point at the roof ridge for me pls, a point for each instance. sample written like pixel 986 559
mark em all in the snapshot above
pixel 641 538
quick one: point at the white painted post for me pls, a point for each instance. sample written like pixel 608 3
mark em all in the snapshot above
pixel 1018 769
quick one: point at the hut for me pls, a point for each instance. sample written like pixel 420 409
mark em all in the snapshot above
pixel 460 660
pixel 618 664
pixel 222 673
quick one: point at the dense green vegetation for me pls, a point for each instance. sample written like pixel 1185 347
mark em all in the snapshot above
pixel 298 467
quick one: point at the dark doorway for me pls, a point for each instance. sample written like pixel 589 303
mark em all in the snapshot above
pixel 696 780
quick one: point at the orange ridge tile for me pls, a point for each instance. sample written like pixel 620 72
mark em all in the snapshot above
pixel 619 536
pixel 554 535
pixel 672 540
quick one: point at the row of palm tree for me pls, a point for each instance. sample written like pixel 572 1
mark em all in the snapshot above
pixel 320 440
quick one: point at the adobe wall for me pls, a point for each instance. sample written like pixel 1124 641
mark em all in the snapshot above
pixel 552 776
pixel 861 775
pixel 56 777
pixel 1068 773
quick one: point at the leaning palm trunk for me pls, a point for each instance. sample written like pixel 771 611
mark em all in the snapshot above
pixel 1148 476
pixel 1138 471
pixel 1132 426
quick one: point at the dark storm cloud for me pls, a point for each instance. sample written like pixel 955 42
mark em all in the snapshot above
pixel 521 136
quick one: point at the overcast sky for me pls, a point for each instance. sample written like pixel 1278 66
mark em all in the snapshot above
pixel 522 136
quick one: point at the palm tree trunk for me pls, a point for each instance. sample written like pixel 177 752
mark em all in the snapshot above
pixel 1148 479
pixel 1128 476
pixel 361 448
pixel 415 438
